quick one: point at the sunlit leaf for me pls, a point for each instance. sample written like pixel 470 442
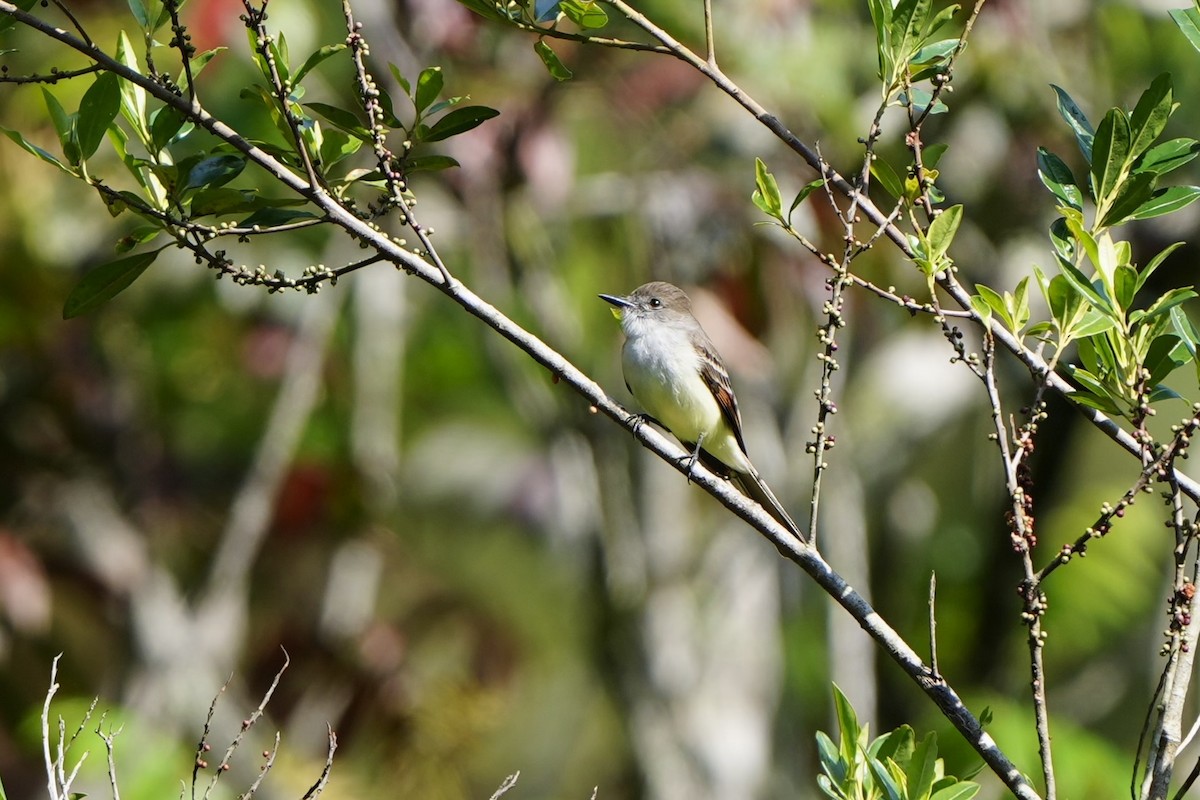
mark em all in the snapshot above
pixel 554 65
pixel 429 86
pixel 99 107
pixel 1167 200
pixel 1084 134
pixel 316 58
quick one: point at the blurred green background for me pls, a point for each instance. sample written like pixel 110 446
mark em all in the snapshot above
pixel 472 574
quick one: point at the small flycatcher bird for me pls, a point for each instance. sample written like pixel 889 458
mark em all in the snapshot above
pixel 673 370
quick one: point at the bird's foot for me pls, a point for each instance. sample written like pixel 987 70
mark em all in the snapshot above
pixel 691 459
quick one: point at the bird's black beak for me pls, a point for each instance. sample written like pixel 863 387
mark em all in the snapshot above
pixel 619 302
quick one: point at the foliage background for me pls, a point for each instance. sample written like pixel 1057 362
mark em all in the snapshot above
pixel 472 574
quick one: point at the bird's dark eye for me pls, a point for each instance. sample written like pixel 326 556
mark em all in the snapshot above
pixel 655 302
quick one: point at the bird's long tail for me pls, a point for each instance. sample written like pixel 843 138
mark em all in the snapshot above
pixel 757 490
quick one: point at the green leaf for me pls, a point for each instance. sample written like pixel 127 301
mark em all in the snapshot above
pixel 883 780
pixel 908 22
pixel 832 762
pixel 32 148
pixel 320 55
pixel 887 177
pixel 1188 20
pixel 99 107
pixel 847 723
pixel 995 301
pixel 964 790
pixel 1058 178
pixel 922 768
pixel 429 86
pixel 931 156
pixel 803 194
pixel 165 123
pixel 1132 195
pixel 133 97
pixel 64 126
pixel 1168 156
pixel 215 171
pixel 7 21
pixel 1167 200
pixel 136 237
pixel 1124 286
pixel 400 79
pixel 1085 287
pixel 460 120
pixel 338 145
pixel 1155 263
pixel 554 64
pixel 348 121
pixel 1167 301
pixel 1110 152
pixel 1067 305
pixel 1084 135
pixel 1149 117
pixel 1167 353
pixel 587 14
pixel 766 193
pixel 429 163
pixel 270 217
pixel 942 230
pixel 105 282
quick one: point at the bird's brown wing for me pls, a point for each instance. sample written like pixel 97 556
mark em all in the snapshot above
pixel 713 371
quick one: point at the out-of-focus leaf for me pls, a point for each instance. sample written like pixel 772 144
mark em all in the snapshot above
pixel 460 120
pixel 105 282
pixel 1188 20
pixel 7 22
pixel 136 237
pixel 544 10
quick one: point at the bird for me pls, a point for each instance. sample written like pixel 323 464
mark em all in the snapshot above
pixel 673 370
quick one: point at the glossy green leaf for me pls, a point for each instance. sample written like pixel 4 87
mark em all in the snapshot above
pixel 1167 353
pixel 336 146
pixel 884 780
pixel 1084 286
pixel 1168 156
pixel 921 770
pixel 460 120
pixel 347 121
pixel 935 53
pixel 942 230
pixel 962 790
pixel 1062 239
pixel 199 62
pixel 1124 286
pixel 554 64
pixel 832 762
pixel 803 194
pixel 908 21
pixel 1058 178
pixel 105 282
pixel 1084 134
pixel 165 123
pixel 1133 193
pixel 1149 117
pixel 316 58
pixel 766 191
pixel 133 97
pixel 887 178
pixel 1188 20
pixel 99 107
pixel 429 86
pixel 215 171
pixel 1110 152
pixel 1167 200
pixel 587 14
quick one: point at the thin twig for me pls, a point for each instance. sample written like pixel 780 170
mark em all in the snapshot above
pixel 323 779
pixel 933 658
pixel 507 784
pixel 108 739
